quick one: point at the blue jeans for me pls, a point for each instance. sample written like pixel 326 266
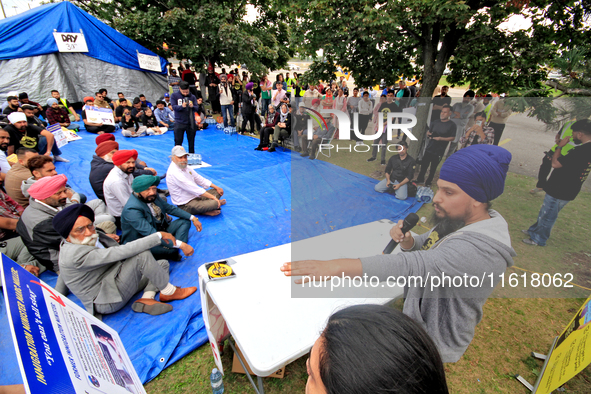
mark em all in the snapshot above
pixel 401 193
pixel 540 231
pixel 43 147
pixel 230 109
pixel 75 125
pixel 297 102
pixel 265 106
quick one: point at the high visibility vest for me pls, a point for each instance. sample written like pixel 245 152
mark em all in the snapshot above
pixel 567 131
pixel 64 103
pixel 290 81
pixel 488 110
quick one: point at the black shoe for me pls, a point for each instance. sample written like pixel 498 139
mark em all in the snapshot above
pixel 428 184
pixel 371 159
pixel 258 148
pixel 305 154
pixel 383 162
pixel 298 149
pixel 272 148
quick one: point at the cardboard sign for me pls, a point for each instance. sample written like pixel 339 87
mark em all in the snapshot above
pixel 148 62
pixel 70 42
pixel 60 347
pixel 570 354
pixel 100 115
pixel 61 138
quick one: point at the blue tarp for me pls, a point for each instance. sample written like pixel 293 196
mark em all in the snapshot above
pixel 31 34
pixel 273 198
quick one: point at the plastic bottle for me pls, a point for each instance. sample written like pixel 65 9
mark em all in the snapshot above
pixel 217 384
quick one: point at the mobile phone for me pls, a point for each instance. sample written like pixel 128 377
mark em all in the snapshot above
pixel 479 123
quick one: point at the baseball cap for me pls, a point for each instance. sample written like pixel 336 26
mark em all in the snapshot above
pixel 179 151
pixel 166 94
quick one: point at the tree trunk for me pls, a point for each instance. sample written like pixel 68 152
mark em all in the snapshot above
pixel 430 82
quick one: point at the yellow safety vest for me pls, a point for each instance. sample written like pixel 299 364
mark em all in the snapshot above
pixel 567 131
pixel 487 111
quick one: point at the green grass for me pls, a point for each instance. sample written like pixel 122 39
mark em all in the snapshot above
pixel 516 321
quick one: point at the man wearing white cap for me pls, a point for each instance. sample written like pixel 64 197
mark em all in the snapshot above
pixel 23 134
pixel 188 190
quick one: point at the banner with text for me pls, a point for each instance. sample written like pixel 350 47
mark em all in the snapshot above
pixel 70 42
pixel 148 62
pixel 61 348
pixel 99 115
pixel 571 353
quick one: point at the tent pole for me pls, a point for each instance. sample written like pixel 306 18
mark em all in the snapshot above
pixel 2 5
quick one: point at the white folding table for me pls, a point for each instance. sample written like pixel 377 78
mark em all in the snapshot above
pixel 271 328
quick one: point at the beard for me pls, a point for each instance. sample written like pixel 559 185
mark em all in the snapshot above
pixel 575 140
pixel 88 241
pixel 445 225
pixel 182 166
pixel 129 170
pixel 4 147
pixel 148 199
pixel 108 159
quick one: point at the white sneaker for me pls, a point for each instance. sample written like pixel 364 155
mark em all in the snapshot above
pixel 61 159
pixel 359 143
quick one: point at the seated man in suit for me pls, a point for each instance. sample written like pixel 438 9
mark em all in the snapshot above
pixel 48 197
pixel 146 213
pixel 105 275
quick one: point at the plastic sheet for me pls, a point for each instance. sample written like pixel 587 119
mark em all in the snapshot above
pixel 258 188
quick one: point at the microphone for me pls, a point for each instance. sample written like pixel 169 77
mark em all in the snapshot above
pixel 409 222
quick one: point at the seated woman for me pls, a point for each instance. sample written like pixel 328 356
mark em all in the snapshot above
pixel 374 349
pixel 130 126
pixel 283 126
pixel 151 124
pixel 327 100
pixel 478 133
pixel 269 128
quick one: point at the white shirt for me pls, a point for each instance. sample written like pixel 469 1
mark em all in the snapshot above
pixel 117 190
pixel 184 185
pixel 4 165
pixel 365 108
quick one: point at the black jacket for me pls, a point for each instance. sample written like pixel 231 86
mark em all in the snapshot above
pixel 100 168
pixel 247 107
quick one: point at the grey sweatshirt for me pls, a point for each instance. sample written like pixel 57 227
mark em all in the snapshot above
pixel 450 313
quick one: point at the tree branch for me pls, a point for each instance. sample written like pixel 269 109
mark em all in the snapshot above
pixel 566 90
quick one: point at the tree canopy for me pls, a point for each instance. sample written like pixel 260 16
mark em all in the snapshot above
pixel 203 31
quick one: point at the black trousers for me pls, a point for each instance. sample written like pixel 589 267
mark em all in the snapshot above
pixel 432 161
pixel 179 135
pixel 252 119
pixel 499 128
pixel 363 122
pixel 265 134
pixel 104 128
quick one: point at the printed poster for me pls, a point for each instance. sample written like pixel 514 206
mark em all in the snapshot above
pixel 571 353
pixel 60 347
pixel 100 115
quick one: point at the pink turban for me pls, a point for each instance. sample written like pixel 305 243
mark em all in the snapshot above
pixel 47 186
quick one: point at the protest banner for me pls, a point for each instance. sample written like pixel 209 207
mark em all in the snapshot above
pixel 61 348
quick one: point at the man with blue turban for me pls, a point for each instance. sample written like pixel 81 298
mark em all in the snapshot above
pixel 451 270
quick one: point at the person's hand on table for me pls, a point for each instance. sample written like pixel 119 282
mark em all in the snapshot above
pixel 316 269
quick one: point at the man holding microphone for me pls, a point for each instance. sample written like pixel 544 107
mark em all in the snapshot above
pixel 469 240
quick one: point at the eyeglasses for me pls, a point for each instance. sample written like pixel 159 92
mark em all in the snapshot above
pixel 82 229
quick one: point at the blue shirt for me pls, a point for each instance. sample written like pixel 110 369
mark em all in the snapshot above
pixel 164 115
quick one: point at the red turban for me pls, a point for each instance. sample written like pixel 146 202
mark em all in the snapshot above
pixel 121 156
pixel 104 137
pixel 105 147
pixel 47 186
pixel 315 101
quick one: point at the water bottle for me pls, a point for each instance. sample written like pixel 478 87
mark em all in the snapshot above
pixel 217 384
pixel 197 159
pixel 424 194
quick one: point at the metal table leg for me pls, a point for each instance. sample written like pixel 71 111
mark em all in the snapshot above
pixel 260 389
